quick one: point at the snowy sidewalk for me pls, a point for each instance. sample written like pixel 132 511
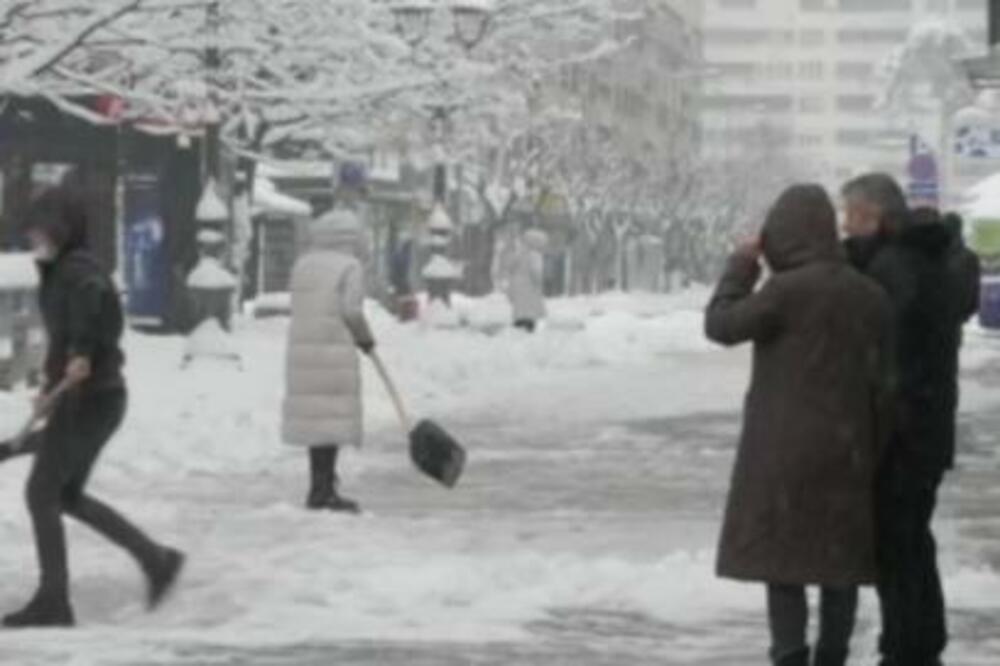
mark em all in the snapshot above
pixel 583 534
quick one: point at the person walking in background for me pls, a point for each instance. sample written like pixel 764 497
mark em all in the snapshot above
pixel 912 256
pixel 85 394
pixel 526 279
pixel 322 409
pixel 801 508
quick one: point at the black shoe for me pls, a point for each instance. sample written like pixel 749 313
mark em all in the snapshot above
pixel 331 501
pixel 830 657
pixel 42 612
pixel 797 658
pixel 164 576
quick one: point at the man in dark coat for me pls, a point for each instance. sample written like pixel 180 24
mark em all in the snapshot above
pixel 801 506
pixel 85 397
pixel 965 267
pixel 910 254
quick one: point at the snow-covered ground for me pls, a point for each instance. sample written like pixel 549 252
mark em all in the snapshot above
pixel 583 532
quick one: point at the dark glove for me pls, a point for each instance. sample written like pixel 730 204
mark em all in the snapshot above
pixel 367 347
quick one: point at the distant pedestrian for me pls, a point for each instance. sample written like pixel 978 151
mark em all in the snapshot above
pixel 916 257
pixel 801 505
pixel 83 318
pixel 525 287
pixel 323 409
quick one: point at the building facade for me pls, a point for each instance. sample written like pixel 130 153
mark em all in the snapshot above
pixel 812 72
pixel 647 94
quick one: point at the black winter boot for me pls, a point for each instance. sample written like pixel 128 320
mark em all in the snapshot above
pixel 323 492
pixel 321 461
pixel 163 577
pixel 45 610
pixel 797 658
pixel 826 657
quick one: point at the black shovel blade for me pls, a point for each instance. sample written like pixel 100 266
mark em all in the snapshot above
pixel 436 453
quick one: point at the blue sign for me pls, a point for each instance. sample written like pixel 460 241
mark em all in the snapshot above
pixel 924 187
pixel 146 266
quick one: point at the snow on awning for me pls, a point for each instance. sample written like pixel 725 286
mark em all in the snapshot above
pixel 268 199
pixel 988 187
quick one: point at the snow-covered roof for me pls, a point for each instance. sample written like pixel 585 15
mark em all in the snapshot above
pixel 17 271
pixel 295 169
pixel 986 207
pixel 989 186
pixel 268 199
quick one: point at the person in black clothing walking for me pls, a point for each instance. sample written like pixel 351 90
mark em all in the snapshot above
pixel 910 255
pixel 85 396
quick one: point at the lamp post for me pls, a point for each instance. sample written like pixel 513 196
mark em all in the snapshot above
pixel 470 24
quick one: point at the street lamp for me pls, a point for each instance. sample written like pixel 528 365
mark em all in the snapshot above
pixel 470 20
pixel 413 20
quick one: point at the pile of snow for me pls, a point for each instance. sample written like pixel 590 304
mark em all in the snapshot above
pixel 442 268
pixel 210 274
pixel 210 341
pixel 17 271
pixel 211 207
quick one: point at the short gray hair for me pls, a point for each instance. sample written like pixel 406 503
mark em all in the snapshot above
pixel 879 189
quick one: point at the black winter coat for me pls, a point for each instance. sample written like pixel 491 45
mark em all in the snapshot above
pixel 82 313
pixel 931 302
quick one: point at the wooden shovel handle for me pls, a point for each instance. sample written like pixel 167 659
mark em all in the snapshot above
pixel 390 387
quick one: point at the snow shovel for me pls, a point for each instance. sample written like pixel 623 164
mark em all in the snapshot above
pixel 24 442
pixel 432 449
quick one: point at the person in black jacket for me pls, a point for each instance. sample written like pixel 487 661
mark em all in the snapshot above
pixel 85 397
pixel 909 254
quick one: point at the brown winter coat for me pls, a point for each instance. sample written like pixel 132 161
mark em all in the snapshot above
pixel 800 508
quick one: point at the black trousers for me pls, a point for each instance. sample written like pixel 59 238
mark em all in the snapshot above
pixel 76 433
pixel 788 616
pixel 914 625
pixel 529 325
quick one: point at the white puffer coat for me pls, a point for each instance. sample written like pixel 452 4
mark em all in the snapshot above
pixel 323 379
pixel 526 275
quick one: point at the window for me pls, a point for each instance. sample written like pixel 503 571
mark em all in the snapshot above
pixel 855 71
pixel 975 5
pixel 812 104
pixel 812 38
pixel 737 4
pixel 855 103
pixel 811 71
pixel 875 5
pixel 735 70
pixel 854 137
pixel 937 6
pixel 750 103
pixel 871 36
pixel 809 140
pixel 745 36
